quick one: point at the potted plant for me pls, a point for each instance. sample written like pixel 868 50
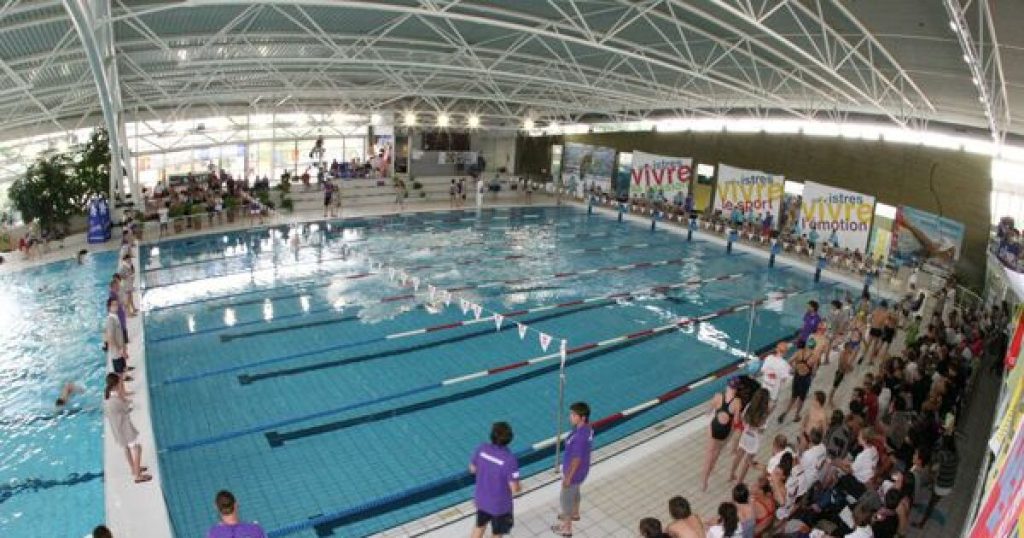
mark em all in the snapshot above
pixel 287 204
pixel 176 213
pixel 231 207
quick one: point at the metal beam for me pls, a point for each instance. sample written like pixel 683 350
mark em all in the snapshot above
pixel 98 42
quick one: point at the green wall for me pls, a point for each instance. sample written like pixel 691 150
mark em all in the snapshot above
pixel 896 174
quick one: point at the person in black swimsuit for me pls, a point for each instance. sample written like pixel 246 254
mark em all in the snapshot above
pixel 803 373
pixel 725 406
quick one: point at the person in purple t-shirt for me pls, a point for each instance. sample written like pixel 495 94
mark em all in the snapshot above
pixel 497 479
pixel 811 321
pixel 575 467
pixel 230 526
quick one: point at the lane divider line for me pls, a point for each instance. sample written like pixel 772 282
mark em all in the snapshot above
pixel 326 524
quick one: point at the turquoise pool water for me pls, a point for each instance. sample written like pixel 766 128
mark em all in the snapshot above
pixel 51 467
pixel 298 378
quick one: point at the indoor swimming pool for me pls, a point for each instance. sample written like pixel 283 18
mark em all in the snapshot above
pixel 293 367
pixel 52 461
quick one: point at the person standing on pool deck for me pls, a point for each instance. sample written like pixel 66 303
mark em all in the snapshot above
pixel 113 338
pixel 575 467
pixel 724 408
pixel 118 412
pixel 877 322
pixel 497 479
pixel 811 321
pixel 479 193
pixel 229 525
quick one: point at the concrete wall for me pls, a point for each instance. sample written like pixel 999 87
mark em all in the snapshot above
pixel 896 174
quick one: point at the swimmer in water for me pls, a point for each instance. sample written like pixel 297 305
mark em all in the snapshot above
pixel 66 392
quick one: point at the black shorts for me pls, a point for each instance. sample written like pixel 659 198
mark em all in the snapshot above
pixel 887 334
pixel 327 201
pixel 499 524
pixel 120 365
pixel 875 332
pixel 802 386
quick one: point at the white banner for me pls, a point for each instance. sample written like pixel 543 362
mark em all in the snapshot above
pixel 498 318
pixel 522 330
pixel 748 188
pixel 666 174
pixel 827 208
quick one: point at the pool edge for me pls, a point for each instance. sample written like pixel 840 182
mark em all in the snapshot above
pixel 135 509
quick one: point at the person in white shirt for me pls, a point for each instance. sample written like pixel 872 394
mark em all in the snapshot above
pixel 812 461
pixel 775 370
pixel 863 467
pixel 728 523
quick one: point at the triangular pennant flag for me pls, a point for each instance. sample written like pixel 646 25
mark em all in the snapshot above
pixel 522 330
pixel 416 283
pixel 464 304
pixel 433 291
pixel 391 273
pixel 477 310
pixel 545 341
pixel 447 298
pixel 498 318
pixel 562 351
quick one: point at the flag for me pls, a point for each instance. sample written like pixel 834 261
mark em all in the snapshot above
pixel 433 291
pixel 464 304
pixel 545 341
pixel 391 273
pixel 447 298
pixel 522 330
pixel 416 283
pixel 477 310
pixel 498 318
pixel 562 351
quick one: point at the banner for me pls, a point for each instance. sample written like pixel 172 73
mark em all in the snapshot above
pixel 584 165
pixel 829 209
pixel 919 236
pixel 99 221
pixel 748 189
pixel 653 173
pixel 1001 512
pixel 881 237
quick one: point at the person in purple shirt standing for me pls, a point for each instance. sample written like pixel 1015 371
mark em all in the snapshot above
pixel 229 525
pixel 575 467
pixel 497 479
pixel 811 321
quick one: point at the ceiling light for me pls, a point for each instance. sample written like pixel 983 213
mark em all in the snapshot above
pixel 375 119
pixel 474 120
pixel 975 80
pixel 528 124
pixel 410 118
pixel 442 120
pixel 553 126
pixel 182 54
pixel 952 26
pixel 967 58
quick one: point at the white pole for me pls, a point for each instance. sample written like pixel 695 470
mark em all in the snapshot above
pixel 750 328
pixel 561 404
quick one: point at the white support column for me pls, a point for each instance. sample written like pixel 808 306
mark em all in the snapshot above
pixel 98 41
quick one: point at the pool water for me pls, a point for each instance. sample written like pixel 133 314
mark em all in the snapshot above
pixel 293 374
pixel 51 466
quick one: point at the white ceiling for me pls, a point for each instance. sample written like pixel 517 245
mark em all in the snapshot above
pixel 896 61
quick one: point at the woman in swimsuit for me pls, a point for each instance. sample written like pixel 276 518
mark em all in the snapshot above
pixel 849 353
pixel 804 365
pixel 725 406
